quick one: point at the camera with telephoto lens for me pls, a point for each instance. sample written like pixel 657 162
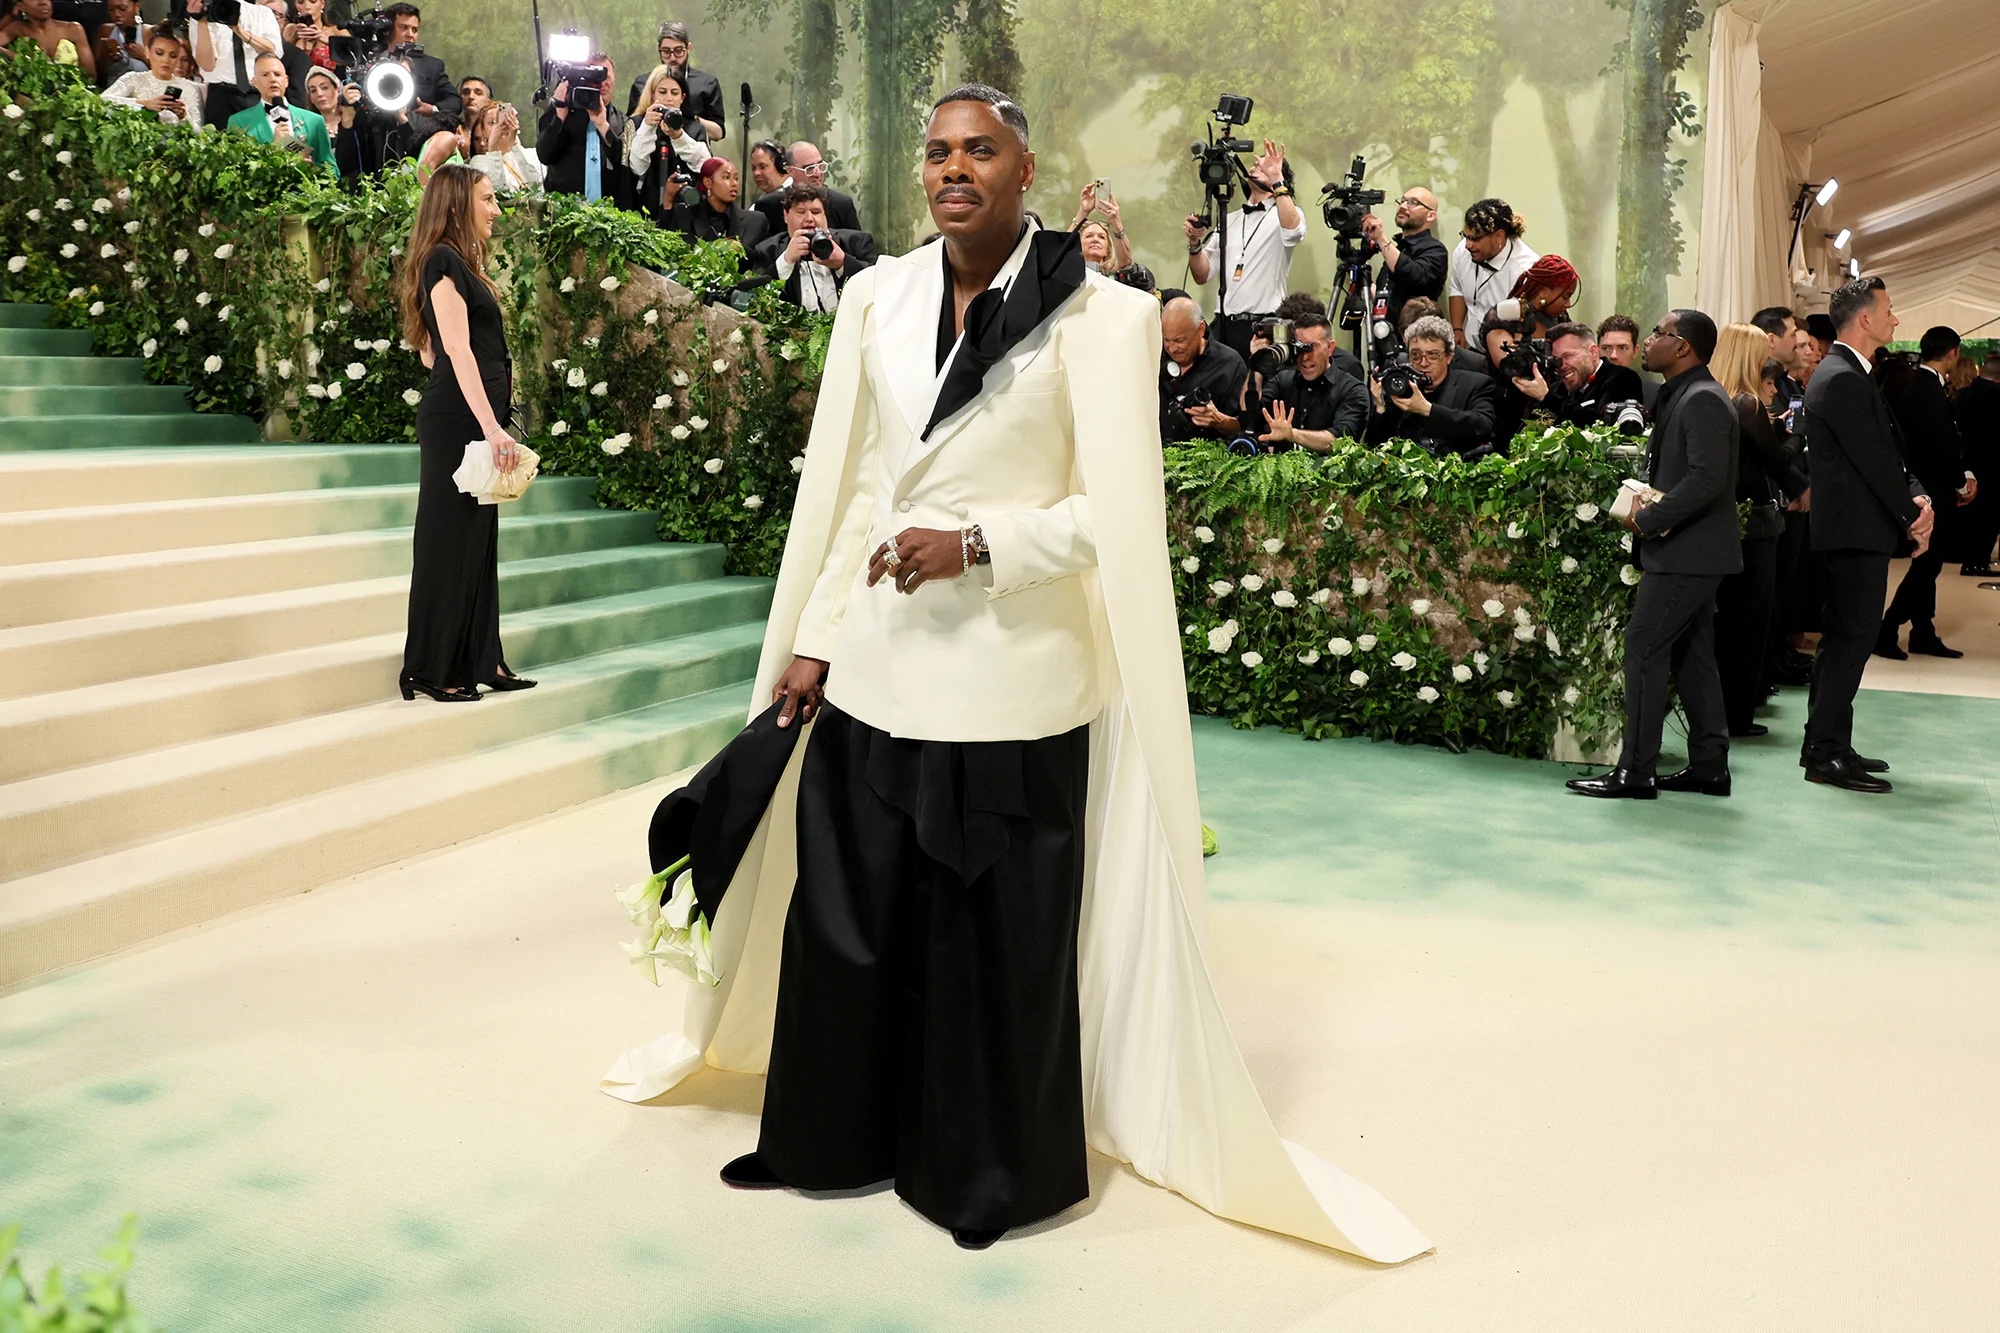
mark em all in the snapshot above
pixel 820 243
pixel 1627 417
pixel 1268 361
pixel 1344 203
pixel 1400 379
pixel 367 37
pixel 1521 359
pixel 673 120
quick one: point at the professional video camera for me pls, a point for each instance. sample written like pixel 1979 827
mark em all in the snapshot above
pixel 1344 203
pixel 367 37
pixel 568 62
pixel 1216 162
pixel 228 13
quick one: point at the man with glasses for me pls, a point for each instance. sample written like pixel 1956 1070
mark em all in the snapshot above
pixel 1452 413
pixel 806 167
pixel 1489 260
pixel 1414 262
pixel 704 92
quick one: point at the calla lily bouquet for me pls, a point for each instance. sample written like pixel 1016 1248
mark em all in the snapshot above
pixel 673 934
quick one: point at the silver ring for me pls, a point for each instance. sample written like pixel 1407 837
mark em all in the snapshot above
pixel 890 558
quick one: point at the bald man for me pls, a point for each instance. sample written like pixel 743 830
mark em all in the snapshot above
pixel 1201 379
pixel 809 168
pixel 1414 262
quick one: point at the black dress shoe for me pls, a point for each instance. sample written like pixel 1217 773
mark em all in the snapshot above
pixel 1932 646
pixel 1842 771
pixel 1860 761
pixel 1885 646
pixel 968 1239
pixel 1976 571
pixel 749 1172
pixel 1749 729
pixel 1619 782
pixel 1689 780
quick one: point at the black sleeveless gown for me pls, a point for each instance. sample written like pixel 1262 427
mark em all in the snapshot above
pixel 454 631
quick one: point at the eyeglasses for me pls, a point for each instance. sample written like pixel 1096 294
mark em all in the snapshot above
pixel 1429 356
pixel 1662 333
pixel 672 50
pixel 1412 201
pixel 809 168
pixel 1470 235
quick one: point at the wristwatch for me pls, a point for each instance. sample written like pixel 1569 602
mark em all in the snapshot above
pixel 1281 191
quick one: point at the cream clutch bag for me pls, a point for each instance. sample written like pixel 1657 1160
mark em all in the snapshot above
pixel 478 478
pixel 1630 490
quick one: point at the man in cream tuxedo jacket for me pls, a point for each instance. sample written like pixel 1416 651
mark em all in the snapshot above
pixel 965 941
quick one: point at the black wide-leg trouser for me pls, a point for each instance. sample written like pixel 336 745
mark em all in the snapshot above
pixel 927 1023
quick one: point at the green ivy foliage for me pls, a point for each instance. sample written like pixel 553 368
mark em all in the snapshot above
pixel 1389 594
pixel 94 1302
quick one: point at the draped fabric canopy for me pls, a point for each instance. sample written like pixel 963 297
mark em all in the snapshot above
pixel 1900 102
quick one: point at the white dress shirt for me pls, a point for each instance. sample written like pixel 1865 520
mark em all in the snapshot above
pixel 257 21
pixel 1483 286
pixel 130 89
pixel 819 289
pixel 1260 259
pixel 511 171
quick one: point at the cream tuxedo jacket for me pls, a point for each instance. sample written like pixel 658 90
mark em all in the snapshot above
pixel 1014 639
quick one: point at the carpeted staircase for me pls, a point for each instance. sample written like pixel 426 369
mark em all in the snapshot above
pixel 200 635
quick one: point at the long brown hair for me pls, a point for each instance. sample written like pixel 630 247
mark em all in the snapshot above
pixel 443 218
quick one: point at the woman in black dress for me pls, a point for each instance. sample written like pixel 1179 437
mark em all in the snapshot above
pixel 451 315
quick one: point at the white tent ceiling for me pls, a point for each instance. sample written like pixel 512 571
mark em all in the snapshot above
pixel 1900 101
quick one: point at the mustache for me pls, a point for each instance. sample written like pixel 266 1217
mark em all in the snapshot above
pixel 965 192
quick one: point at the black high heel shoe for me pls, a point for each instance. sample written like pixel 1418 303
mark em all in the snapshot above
pixel 412 687
pixel 505 683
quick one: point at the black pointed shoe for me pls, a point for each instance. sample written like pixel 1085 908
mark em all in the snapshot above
pixel 1689 780
pixel 749 1172
pixel 1844 772
pixel 968 1239
pixel 1885 646
pixel 1619 782
pixel 1860 761
pixel 1932 646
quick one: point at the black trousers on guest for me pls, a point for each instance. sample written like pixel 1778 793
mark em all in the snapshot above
pixel 1743 611
pixel 1915 602
pixel 1855 583
pixel 1671 639
pixel 1792 549
pixel 927 1024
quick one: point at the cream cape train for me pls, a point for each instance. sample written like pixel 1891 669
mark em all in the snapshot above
pixel 1165 1087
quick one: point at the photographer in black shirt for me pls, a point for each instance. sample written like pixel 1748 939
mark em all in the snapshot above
pixel 1414 262
pixel 1311 403
pixel 1451 413
pixel 1526 380
pixel 1595 384
pixel 1201 381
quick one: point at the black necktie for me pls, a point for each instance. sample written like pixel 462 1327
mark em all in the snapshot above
pixel 242 69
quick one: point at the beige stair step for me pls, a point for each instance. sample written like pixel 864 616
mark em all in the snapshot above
pixel 76 477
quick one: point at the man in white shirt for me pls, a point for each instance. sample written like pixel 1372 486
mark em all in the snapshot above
pixel 159 89
pixel 1489 258
pixel 810 281
pixel 227 56
pixel 1262 235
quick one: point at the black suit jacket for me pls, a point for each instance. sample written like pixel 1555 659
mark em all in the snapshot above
pixel 703 223
pixel 1862 497
pixel 858 245
pixel 1611 384
pixel 559 143
pixel 1694 452
pixel 435 86
pixel 1460 420
pixel 841 214
pixel 1978 407
pixel 1932 448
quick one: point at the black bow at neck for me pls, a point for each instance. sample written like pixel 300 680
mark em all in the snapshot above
pixel 999 318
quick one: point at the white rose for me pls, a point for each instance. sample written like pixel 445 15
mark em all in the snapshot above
pixel 1191 564
pixel 379 345
pixel 559 363
pixel 132 227
pixel 65 157
pixel 284 368
pixel 148 347
pixel 576 379
pixel 213 364
pixel 96 309
pixel 736 337
pixel 1220 638
pixel 798 463
pixel 568 286
pixel 1571 694
pixel 62 205
pixel 753 502
pixel 1204 535
pixel 1222 587
pixel 1525 633
pixel 100 205
pixel 181 326
pixel 333 389
pixel 698 423
pixel 610 284
pixel 599 389
pixel 1555 645
pixel 1569 565
pixel 1625 541
pixel 224 250
pixel 14 111
pixel 1515 531
pixel 790 351
pixel 79 225
pixel 616 444
pixel 355 370
pixel 1309 657
pixel 560 428
pixel 651 317
pixel 1272 546
pixel 1339 647
pixel 1586 512
pixel 19 262
pixel 1403 662
pixel 680 378
pixel 1427 694
pixel 1506 698
pixel 76 293
pixel 1365 642
pixel 1480 660
pixel 412 397
pixel 712 466
pixel 663 402
pixel 107 250
pixel 718 365
pixel 224 313
pixel 681 433
pixel 1359 586
pixel 1521 616
pixel 1253 583
pixel 1420 607
pixel 34 215
pixel 1461 673
pixel 323 285
pixel 1253 660
pixel 180 256
pixel 1321 596
pixel 1283 597
pixel 315 391
pixel 1357 678
pixel 1628 576
pixel 205 230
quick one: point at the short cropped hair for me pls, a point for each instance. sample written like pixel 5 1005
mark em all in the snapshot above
pixel 1312 321
pixel 1619 324
pixel 1938 342
pixel 1821 327
pixel 1854 300
pixel 1697 330
pixel 1010 112
pixel 1301 306
pixel 804 192
pixel 1431 328
pixel 1572 330
pixel 1772 319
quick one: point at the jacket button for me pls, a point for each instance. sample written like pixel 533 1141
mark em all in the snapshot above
pixel 905 505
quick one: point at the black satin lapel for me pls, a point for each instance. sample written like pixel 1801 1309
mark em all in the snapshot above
pixel 994 327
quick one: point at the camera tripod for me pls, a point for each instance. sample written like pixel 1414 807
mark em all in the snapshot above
pixel 1353 297
pixel 1221 170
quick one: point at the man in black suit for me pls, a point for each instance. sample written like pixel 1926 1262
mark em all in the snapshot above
pixel 1594 381
pixel 1688 544
pixel 437 97
pixel 814 281
pixel 1452 412
pixel 564 138
pixel 807 167
pixel 704 99
pixel 1979 429
pixel 1863 506
pixel 1931 450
